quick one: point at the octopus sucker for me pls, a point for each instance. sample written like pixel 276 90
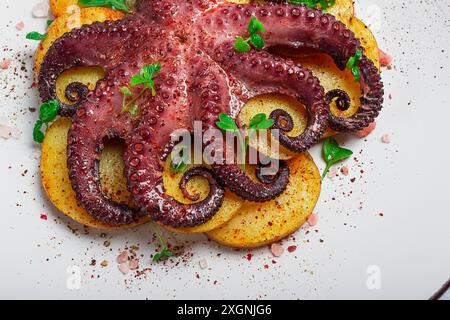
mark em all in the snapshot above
pixel 202 76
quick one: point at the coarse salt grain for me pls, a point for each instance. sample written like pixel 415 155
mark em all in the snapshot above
pixel 332 173
pixel 386 138
pixel 5 132
pixel 366 131
pixel 276 250
pixel 122 257
pixel 124 268
pixel 313 219
pixel 344 170
pixel 20 25
pixel 41 10
pixel 203 264
pixel 134 264
pixel 5 63
pixel 385 59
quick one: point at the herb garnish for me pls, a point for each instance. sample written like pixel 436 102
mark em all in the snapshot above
pixel 179 166
pixel 165 252
pixel 145 78
pixel 47 113
pixel 258 122
pixel 333 153
pixel 113 4
pixel 242 44
pixel 34 35
pixel 324 4
pixel 352 62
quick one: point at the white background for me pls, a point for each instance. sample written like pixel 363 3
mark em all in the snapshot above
pixel 407 180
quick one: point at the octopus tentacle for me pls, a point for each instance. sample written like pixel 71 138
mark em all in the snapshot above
pixel 150 146
pixel 298 26
pixel 101 44
pixel 210 90
pixel 262 73
pixel 84 152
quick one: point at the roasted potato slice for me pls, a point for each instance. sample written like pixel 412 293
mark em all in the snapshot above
pixel 198 185
pixel 258 224
pixel 69 21
pixel 55 176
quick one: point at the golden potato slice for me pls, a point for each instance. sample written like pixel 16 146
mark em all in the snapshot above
pixel 343 10
pixel 368 40
pixel 55 176
pixel 258 224
pixel 69 21
pixel 60 7
pixel 199 185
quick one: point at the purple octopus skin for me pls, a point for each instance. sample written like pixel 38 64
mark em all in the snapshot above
pixel 202 76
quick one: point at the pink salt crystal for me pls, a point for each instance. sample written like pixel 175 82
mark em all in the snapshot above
pixel 366 131
pixel 122 257
pixel 41 10
pixel 332 173
pixel 386 138
pixel 313 219
pixel 276 250
pixel 4 132
pixel 124 268
pixel 15 133
pixel 203 264
pixel 5 63
pixel 134 264
pixel 385 59
pixel 20 25
pixel 345 171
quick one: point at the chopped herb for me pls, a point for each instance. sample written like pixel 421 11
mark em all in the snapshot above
pixel 179 166
pixel 144 78
pixel 322 4
pixel 241 44
pixel 352 65
pixel 258 122
pixel 49 22
pixel 47 113
pixel 113 4
pixel 165 252
pixel 36 36
pixel 333 153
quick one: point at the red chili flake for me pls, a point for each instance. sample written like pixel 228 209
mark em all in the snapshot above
pixel 249 256
pixel 292 248
pixel 266 266
pixel 43 216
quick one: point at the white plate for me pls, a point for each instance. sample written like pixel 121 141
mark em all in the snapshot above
pixel 406 180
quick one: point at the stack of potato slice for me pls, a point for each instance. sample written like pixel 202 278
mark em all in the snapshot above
pixel 238 223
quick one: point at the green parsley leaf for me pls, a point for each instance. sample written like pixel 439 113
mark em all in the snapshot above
pixel 352 64
pixel 227 123
pixel 241 45
pixel 36 36
pixel 178 167
pixel 38 136
pixel 260 122
pixel 125 91
pixel 333 153
pixel 114 4
pixel 49 22
pixel 163 254
pixel 47 113
pixel 254 26
pixel 257 40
